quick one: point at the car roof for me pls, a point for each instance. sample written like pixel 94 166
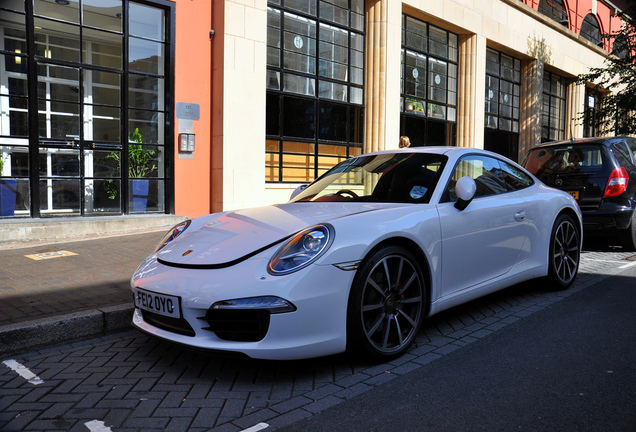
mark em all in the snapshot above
pixel 606 141
pixel 448 150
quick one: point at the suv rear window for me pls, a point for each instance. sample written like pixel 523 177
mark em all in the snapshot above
pixel 565 159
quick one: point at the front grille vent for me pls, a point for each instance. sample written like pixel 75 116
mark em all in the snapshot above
pixel 174 325
pixel 238 325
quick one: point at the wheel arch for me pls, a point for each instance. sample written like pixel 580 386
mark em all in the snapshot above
pixel 417 252
pixel 575 216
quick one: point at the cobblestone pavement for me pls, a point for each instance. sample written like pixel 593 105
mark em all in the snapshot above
pixel 130 382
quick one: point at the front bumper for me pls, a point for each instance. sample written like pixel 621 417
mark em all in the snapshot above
pixel 316 328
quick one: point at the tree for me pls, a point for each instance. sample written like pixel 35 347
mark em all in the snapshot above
pixel 617 78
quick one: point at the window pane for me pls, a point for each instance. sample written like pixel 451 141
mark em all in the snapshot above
pixel 64 88
pixel 101 164
pixel 272 115
pixel 299 118
pixel 146 56
pixel 298 84
pixel 146 92
pixel 15 161
pixel 307 6
pixel 334 12
pixel 16 109
pixel 60 122
pixel 147 22
pixel 56 40
pixel 105 122
pixel 416 35
pixel 69 11
pixel 102 87
pixel 102 48
pixel 146 195
pixel 437 42
pixel 102 196
pixel 151 126
pixel 144 161
pixel 333 122
pixel 334 91
pixel 104 14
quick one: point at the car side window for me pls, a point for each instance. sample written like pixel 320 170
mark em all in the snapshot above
pixel 632 147
pixel 621 149
pixel 515 178
pixel 486 172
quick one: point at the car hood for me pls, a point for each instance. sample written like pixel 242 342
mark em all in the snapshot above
pixel 222 239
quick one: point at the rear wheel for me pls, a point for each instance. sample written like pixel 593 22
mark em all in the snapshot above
pixel 386 304
pixel 628 236
pixel 564 253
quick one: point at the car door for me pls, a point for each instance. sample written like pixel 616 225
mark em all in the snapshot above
pixel 484 240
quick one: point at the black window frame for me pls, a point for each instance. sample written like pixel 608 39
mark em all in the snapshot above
pixel 556 10
pixel 420 117
pixel 551 94
pixel 591 29
pixel 328 147
pixel 34 63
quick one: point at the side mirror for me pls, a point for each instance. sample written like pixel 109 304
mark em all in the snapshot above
pixel 465 189
pixel 298 190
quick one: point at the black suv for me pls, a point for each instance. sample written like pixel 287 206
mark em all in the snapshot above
pixel 601 175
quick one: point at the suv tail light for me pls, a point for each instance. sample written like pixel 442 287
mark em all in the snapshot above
pixel 617 183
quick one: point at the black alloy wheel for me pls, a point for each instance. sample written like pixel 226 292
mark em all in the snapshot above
pixel 386 304
pixel 564 254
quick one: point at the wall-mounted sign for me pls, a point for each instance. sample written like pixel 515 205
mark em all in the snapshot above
pixel 188 111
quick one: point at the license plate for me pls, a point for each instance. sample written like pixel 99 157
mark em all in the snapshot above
pixel 161 304
pixel 575 194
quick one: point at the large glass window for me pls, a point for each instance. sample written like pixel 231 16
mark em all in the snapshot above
pixel 503 84
pixel 591 30
pixel 591 118
pixel 84 130
pixel 429 83
pixel 553 107
pixel 315 77
pixel 555 9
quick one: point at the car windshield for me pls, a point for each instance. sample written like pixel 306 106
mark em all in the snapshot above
pixel 395 177
pixel 567 159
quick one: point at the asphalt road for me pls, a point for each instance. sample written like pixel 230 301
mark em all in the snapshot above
pixel 522 359
pixel 568 367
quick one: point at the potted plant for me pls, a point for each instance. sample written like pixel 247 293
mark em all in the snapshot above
pixel 141 162
pixel 8 192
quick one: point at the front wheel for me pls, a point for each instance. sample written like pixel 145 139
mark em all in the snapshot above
pixel 386 304
pixel 564 253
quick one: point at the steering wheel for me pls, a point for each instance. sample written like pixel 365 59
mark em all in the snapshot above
pixel 342 192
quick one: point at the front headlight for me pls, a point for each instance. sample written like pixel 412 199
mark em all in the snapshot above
pixel 172 234
pixel 301 250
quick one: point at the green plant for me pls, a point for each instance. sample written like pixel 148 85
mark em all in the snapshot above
pixel 141 162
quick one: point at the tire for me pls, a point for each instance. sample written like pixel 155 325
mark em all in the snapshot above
pixel 564 253
pixel 628 236
pixel 386 304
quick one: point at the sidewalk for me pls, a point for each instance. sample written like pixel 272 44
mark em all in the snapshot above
pixel 47 298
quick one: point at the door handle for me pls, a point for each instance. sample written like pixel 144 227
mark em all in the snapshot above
pixel 520 215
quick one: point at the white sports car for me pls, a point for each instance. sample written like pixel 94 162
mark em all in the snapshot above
pixel 357 259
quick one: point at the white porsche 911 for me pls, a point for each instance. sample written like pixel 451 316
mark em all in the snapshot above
pixel 357 259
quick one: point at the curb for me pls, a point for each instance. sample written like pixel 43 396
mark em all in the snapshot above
pixel 40 333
